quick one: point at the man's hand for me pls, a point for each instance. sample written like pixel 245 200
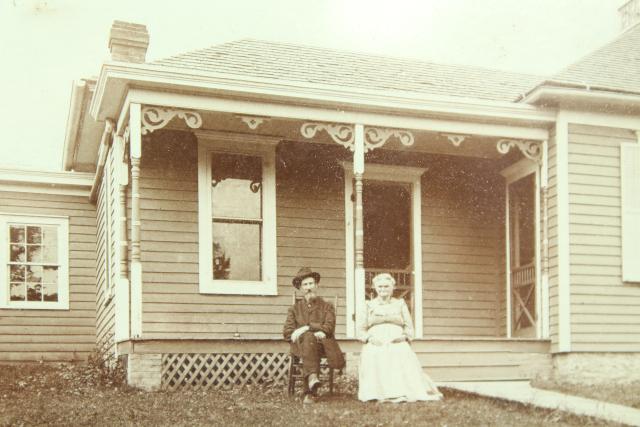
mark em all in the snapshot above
pixel 401 338
pixel 298 333
pixel 320 335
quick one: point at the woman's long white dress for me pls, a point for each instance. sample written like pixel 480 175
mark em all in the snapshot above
pixel 391 371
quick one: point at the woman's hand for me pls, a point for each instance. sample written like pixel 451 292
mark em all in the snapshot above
pixel 375 341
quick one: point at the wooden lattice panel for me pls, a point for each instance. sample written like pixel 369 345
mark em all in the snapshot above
pixel 203 371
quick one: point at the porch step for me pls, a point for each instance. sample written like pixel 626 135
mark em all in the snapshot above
pixel 480 360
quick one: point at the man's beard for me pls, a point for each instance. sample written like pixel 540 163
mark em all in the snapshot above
pixel 309 294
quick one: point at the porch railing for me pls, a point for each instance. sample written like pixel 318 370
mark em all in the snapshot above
pixel 523 280
pixel 404 283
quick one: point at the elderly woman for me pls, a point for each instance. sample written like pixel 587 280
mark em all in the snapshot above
pixel 389 370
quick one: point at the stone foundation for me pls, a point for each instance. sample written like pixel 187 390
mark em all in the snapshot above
pixel 144 371
pixel 594 368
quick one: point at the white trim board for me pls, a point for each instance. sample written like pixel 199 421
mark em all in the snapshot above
pixel 324 114
pixel 562 208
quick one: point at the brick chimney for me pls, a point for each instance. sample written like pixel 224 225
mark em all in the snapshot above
pixel 128 42
pixel 629 13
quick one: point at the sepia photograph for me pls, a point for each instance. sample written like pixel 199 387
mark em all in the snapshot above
pixel 320 213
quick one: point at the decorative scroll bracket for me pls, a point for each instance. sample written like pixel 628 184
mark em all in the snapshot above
pixel 253 121
pixel 455 139
pixel 377 137
pixel 344 135
pixel 154 118
pixel 340 133
pixel 532 150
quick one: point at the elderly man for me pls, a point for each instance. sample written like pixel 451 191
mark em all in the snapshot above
pixel 310 327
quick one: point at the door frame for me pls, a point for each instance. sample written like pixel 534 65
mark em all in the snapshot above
pixel 391 173
pixel 512 174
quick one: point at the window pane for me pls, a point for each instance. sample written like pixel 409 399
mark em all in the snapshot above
pixel 17 292
pixel 17 233
pixel 34 234
pixel 17 273
pixel 236 187
pixel 34 253
pixel 236 251
pixel 34 292
pixel 50 292
pixel 17 253
pixel 50 275
pixel 50 244
pixel 34 274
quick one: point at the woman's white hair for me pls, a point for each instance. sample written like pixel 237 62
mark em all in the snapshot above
pixel 383 277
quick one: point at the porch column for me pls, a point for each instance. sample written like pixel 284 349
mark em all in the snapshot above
pixel 358 172
pixel 135 146
pixel 122 319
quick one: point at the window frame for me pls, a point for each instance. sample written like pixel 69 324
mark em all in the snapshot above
pixel 210 143
pixel 62 223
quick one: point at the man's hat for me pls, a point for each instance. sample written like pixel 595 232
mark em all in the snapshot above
pixel 303 273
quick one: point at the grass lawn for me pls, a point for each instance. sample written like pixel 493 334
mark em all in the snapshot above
pixel 79 395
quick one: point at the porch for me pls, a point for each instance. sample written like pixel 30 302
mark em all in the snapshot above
pixel 300 199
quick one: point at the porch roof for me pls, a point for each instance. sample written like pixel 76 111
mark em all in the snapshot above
pixel 304 64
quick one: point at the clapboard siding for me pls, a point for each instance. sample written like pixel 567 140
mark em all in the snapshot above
pixel 462 232
pixel 462 242
pixel 107 261
pixel 56 335
pixel 310 232
pixel 604 315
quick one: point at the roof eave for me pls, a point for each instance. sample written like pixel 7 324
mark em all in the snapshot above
pixel 564 95
pixel 78 90
pixel 116 78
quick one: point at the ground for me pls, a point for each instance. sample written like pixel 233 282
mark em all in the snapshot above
pixel 83 395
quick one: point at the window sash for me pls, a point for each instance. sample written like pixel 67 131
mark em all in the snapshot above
pixel 264 148
pixel 61 264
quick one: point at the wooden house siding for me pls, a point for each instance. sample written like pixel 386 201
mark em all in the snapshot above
pixel 310 231
pixel 462 231
pixel 604 315
pixel 462 241
pixel 53 335
pixel 107 261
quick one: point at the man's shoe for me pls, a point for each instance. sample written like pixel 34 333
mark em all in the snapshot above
pixel 314 383
pixel 308 399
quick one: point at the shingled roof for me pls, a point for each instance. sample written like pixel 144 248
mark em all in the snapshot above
pixel 615 66
pixel 289 62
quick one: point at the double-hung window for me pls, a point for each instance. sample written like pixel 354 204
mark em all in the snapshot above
pixel 35 262
pixel 236 189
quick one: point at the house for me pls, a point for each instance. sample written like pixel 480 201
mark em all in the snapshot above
pixel 505 205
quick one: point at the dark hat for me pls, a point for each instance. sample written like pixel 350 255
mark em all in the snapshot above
pixel 303 273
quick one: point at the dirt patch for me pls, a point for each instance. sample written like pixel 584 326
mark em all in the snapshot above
pixel 77 395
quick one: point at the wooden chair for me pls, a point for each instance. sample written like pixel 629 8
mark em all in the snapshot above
pixel 296 375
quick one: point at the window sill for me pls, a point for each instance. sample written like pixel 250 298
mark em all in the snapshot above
pixel 239 287
pixel 35 306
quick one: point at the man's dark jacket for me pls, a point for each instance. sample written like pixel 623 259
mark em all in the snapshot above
pixel 319 315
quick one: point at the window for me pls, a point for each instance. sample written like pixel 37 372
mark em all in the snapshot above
pixel 34 262
pixel 236 190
